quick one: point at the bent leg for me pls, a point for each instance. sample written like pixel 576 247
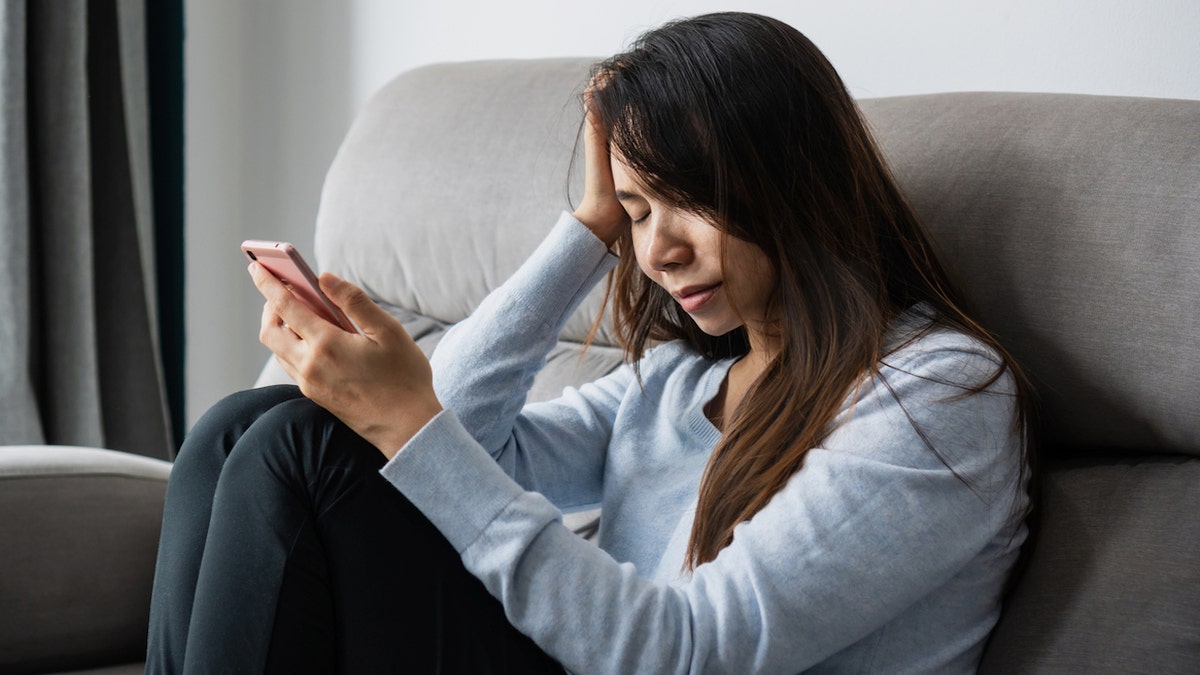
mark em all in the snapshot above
pixel 186 517
pixel 314 563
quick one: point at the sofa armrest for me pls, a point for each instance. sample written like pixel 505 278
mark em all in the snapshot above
pixel 78 542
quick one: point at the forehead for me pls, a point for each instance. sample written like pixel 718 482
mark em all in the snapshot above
pixel 625 179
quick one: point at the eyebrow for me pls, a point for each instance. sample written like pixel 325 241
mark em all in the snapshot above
pixel 623 195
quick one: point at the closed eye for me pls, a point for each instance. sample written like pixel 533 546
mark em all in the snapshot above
pixel 633 203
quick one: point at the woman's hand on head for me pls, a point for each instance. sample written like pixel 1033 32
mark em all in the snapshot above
pixel 599 210
pixel 378 383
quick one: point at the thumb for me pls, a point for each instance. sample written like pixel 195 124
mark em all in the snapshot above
pixel 352 300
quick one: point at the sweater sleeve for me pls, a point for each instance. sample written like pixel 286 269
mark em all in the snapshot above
pixel 484 367
pixel 871 523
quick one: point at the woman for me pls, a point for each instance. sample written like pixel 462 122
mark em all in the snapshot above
pixel 814 459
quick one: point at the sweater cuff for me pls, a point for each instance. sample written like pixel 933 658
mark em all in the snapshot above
pixel 451 479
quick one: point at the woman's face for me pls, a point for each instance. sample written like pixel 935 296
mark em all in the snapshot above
pixel 682 253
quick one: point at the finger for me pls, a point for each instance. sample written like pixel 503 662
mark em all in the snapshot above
pixel 352 300
pixel 597 162
pixel 599 210
pixel 298 317
pixel 292 372
pixel 277 336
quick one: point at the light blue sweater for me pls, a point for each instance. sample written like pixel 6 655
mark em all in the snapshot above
pixel 875 557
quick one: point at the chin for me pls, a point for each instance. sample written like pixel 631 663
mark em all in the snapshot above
pixel 715 329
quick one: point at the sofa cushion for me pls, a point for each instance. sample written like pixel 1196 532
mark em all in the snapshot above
pixel 448 179
pixel 1074 225
pixel 1113 583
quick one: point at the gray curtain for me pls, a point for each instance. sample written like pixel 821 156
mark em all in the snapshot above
pixel 79 356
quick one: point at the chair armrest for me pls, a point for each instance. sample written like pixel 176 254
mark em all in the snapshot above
pixel 78 541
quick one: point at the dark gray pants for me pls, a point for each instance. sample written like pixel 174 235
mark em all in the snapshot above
pixel 284 550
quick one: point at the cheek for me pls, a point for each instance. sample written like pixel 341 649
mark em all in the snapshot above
pixel 768 281
pixel 759 278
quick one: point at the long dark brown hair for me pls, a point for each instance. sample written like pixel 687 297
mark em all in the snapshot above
pixel 741 119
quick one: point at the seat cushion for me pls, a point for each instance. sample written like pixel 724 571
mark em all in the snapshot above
pixel 1113 583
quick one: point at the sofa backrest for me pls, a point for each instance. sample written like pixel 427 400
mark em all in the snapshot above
pixel 1074 224
pixel 448 179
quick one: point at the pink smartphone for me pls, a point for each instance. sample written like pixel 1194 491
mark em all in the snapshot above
pixel 285 262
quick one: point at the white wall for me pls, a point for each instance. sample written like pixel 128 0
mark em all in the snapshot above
pixel 881 47
pixel 273 84
pixel 267 102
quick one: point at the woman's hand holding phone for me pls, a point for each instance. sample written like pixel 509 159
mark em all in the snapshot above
pixel 285 263
pixel 377 381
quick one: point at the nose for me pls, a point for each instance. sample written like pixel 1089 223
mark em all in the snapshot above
pixel 662 245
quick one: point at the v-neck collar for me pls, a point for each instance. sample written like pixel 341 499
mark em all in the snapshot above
pixel 696 420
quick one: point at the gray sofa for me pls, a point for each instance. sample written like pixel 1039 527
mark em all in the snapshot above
pixel 1072 221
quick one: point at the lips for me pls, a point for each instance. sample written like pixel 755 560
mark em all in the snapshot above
pixel 692 298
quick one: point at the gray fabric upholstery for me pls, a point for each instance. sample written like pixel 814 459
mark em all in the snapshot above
pixel 78 539
pixel 1074 223
pixel 1114 583
pixel 448 179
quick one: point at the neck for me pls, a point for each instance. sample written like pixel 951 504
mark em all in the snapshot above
pixel 738 380
pixel 763 348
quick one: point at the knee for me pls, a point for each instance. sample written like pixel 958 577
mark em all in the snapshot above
pixel 286 435
pixel 225 422
pixel 239 410
pixel 299 419
pixel 299 440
